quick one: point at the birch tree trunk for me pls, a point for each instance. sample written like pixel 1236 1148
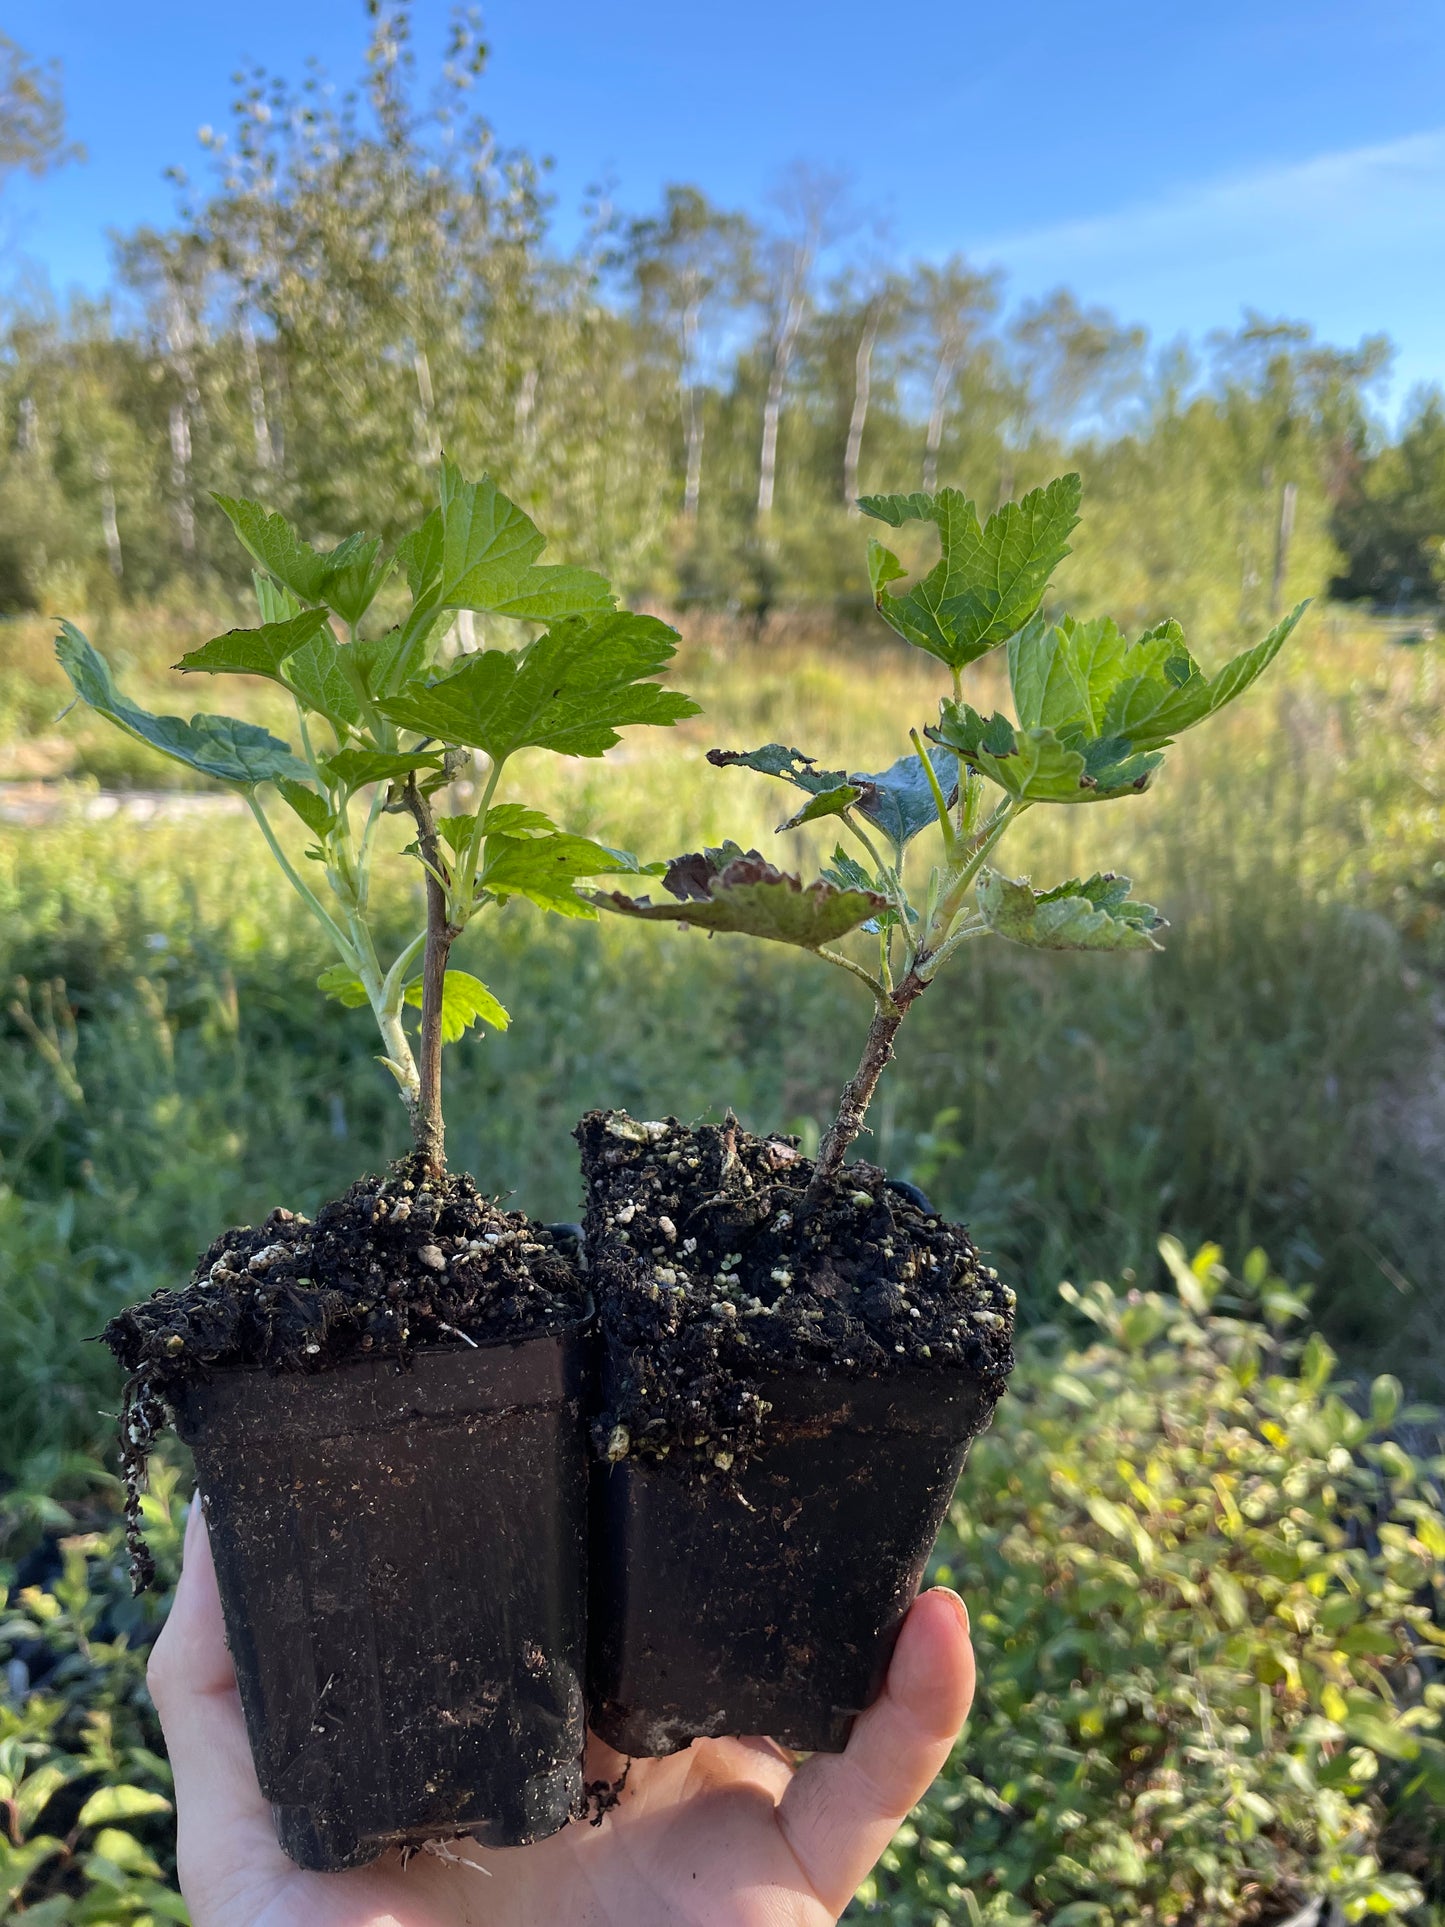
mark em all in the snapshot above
pixel 109 526
pixel 430 438
pixel 862 386
pixel 691 413
pixel 777 380
pixel 260 426
pixel 942 382
pixel 180 431
pixel 1288 497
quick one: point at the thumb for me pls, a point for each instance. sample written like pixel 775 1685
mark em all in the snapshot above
pixel 223 1822
pixel 841 1809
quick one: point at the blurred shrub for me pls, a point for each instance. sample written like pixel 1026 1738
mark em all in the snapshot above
pixel 85 1794
pixel 1211 1689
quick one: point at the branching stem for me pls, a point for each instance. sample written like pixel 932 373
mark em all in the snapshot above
pixel 858 1093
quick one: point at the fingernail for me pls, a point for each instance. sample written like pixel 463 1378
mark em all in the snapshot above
pixel 193 1514
pixel 949 1594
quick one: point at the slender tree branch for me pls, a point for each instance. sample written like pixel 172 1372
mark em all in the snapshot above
pixel 858 1093
pixel 875 984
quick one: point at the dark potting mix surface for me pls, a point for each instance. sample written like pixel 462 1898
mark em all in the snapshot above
pixel 709 1279
pixel 397 1263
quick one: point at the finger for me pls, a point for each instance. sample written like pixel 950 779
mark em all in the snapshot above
pixel 222 1819
pixel 842 1809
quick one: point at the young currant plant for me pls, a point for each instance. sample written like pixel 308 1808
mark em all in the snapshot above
pixel 384 724
pixel 1093 714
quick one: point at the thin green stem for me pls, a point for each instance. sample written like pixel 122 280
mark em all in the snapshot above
pixel 878 988
pixel 472 855
pixel 892 884
pixel 940 801
pixel 928 969
pixel 304 890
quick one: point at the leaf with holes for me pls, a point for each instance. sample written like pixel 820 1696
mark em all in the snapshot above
pixel 730 890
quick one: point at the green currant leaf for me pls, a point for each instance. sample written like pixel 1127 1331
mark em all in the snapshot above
pixel 1095 914
pixel 570 691
pixel 255 652
pixel 354 574
pixel 219 746
pixel 465 1001
pixel 317 675
pixel 516 819
pixel 1035 766
pixel 346 579
pixel 776 759
pixel 489 558
pixel 420 554
pixel 728 889
pixel 338 982
pixel 276 546
pixel 848 873
pixel 353 768
pixel 899 799
pixel 315 812
pixel 544 869
pixel 825 803
pixel 990 577
pixel 277 604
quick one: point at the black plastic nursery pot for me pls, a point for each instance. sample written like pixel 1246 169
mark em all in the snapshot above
pixel 388 1411
pixel 788 1399
pixel 770 1604
pixel 402 1565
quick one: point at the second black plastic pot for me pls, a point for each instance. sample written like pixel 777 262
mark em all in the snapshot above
pixel 402 1566
pixel 772 1605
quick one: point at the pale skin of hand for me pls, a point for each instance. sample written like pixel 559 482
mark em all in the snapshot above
pixel 726 1834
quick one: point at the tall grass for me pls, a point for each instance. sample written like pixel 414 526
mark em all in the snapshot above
pixel 1275 1077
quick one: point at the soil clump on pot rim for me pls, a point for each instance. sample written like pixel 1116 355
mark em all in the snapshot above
pixel 709 1279
pixel 396 1263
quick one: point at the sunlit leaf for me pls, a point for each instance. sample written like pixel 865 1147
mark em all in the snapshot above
pixel 219 746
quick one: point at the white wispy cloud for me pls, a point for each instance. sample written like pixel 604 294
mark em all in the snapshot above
pixel 1354 241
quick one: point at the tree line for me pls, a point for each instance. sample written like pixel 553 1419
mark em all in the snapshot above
pixel 691 398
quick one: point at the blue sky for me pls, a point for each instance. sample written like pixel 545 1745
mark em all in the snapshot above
pixel 1179 163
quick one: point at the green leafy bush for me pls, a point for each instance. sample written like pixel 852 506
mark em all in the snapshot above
pixel 86 1834
pixel 1210 1685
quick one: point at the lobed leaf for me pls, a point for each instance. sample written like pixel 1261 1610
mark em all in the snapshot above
pixel 898 800
pixel 1095 914
pixel 255 652
pixel 570 691
pixel 990 577
pixel 1036 765
pixel 544 869
pixel 346 579
pixel 343 985
pixel 219 746
pixel 354 768
pixel 489 551
pixel 315 812
pixel 730 890
pixel 465 1001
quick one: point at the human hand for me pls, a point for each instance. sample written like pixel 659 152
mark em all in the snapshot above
pixel 728 1833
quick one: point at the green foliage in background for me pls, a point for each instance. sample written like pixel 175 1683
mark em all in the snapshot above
pixel 1200 1589
pixel 1201 1584
pixel 690 399
pixel 87 1827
